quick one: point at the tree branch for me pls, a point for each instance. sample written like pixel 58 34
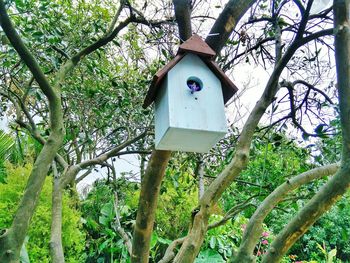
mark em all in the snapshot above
pixel 84 175
pixel 119 228
pixel 254 228
pixel 226 22
pixel 233 212
pixel 73 170
pixel 25 54
pixel 183 18
pixel 169 253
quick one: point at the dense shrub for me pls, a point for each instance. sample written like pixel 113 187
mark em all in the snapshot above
pixel 39 231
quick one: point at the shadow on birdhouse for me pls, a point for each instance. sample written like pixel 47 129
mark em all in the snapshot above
pixel 190 93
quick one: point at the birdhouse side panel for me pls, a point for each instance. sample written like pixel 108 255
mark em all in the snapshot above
pixel 195 97
pixel 162 112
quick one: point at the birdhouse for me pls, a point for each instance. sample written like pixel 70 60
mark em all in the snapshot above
pixel 189 94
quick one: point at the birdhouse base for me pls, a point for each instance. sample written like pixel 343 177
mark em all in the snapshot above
pixel 188 140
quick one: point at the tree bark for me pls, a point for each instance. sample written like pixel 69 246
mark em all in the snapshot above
pixel 193 241
pixel 183 18
pixel 150 187
pixel 254 228
pixel 170 253
pixel 226 22
pixel 119 227
pixel 56 247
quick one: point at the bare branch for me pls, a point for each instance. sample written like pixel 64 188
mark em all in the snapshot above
pixel 119 228
pixel 233 212
pixel 115 18
pixel 84 175
pixel 315 89
pixel 113 152
pixel 73 170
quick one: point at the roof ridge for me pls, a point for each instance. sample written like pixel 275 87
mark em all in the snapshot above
pixel 195 44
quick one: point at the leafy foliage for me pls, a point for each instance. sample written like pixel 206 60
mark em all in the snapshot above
pixel 39 232
pixel 6 145
pixel 178 198
pixel 103 242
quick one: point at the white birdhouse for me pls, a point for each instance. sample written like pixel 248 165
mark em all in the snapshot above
pixel 189 94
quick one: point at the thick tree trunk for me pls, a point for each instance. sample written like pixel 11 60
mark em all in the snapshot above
pixel 150 187
pixel 56 247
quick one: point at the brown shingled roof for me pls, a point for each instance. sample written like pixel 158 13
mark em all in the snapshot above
pixel 197 46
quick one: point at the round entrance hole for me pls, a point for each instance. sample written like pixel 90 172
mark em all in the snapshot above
pixel 194 84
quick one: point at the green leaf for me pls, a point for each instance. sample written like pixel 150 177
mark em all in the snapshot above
pixel 103 220
pixel 164 241
pixel 103 245
pixel 92 223
pixel 320 129
pixel 212 242
pixel 209 255
pixel 305 136
pixel 108 210
pixel 331 255
pixel 154 240
pixel 321 248
pixel 38 34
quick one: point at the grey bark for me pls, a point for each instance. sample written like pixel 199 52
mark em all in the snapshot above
pixel 150 187
pixel 183 18
pixel 56 247
pixel 226 22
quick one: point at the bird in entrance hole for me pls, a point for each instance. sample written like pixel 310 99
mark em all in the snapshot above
pixel 194 86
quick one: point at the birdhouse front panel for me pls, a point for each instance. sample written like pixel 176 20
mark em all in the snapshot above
pixel 190 114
